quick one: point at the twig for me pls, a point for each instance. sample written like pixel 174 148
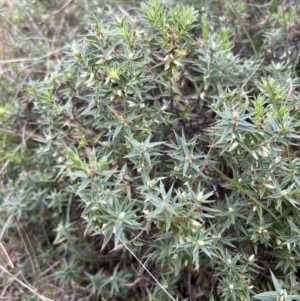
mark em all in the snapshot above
pixel 125 12
pixel 133 283
pixel 289 93
pixel 24 285
pixel 63 7
pixel 149 273
pixel 27 132
pixel 189 285
pixel 4 166
pixel 32 59
pixel 6 255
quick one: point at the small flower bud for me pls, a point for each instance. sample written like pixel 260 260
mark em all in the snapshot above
pixel 146 212
pixel 195 224
pixel 234 118
pixel 49 138
pixel 269 186
pixel 201 243
pixel 121 216
pixel 265 151
pixel 283 193
pixel 250 259
pixel 181 240
pixel 277 160
pixel 213 46
pixel 199 196
pixel 233 146
pixel 75 51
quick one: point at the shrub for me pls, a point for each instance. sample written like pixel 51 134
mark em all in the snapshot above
pixel 160 139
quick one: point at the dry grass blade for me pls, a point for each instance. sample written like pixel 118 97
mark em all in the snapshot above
pixel 31 289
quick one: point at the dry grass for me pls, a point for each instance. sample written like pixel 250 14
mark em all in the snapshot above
pixel 20 59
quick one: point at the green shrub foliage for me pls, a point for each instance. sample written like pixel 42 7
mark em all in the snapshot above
pixel 167 156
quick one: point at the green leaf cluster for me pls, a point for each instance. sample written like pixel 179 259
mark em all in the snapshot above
pixel 170 133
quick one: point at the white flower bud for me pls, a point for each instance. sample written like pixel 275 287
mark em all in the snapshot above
pixel 199 196
pixel 265 151
pixel 121 216
pixel 195 224
pixel 233 146
pixel 269 186
pixel 49 138
pixel 277 160
pixel 235 116
pixel 75 51
pixel 131 104
pixel 201 243
pixel 181 240
pixel 283 193
pixel 213 46
pixel 251 258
